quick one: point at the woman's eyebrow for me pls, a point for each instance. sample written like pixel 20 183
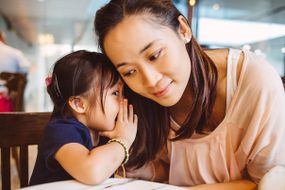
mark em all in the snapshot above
pixel 148 46
pixel 120 65
pixel 140 52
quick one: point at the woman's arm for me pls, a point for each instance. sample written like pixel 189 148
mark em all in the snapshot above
pixel 233 185
pixel 156 170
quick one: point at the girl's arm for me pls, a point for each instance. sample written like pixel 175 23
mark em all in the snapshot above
pixel 90 167
pixel 93 167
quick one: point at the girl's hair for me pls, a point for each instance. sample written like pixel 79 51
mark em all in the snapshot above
pixel 154 119
pixel 80 73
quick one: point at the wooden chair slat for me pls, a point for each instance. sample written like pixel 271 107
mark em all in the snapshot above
pixel 30 125
pixel 24 168
pixel 19 129
pixel 5 168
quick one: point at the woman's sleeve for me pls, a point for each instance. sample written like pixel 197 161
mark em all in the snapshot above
pixel 267 121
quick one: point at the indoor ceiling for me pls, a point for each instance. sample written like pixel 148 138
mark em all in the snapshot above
pixel 254 10
pixel 66 20
pixel 71 21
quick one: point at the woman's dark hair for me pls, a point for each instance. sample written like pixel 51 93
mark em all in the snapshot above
pixel 77 73
pixel 154 122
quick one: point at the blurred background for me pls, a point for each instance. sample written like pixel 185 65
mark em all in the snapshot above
pixel 45 30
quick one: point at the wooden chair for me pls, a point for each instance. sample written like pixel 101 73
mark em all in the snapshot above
pixel 19 129
pixel 16 83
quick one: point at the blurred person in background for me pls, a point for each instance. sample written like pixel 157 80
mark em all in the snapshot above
pixel 11 59
pixel 12 62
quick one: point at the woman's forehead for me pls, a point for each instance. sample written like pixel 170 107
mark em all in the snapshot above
pixel 130 36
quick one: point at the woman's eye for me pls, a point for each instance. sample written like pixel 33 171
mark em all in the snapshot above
pixel 129 73
pixel 155 55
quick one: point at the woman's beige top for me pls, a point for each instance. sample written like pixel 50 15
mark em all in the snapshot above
pixel 250 139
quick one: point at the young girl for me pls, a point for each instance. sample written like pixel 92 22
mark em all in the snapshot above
pixel 86 96
pixel 219 113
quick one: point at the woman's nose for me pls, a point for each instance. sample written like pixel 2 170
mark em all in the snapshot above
pixel 150 76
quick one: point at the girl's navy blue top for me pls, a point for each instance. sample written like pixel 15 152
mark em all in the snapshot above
pixel 58 133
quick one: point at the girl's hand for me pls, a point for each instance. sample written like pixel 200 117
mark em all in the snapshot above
pixel 126 125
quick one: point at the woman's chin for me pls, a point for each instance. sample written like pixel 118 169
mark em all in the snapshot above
pixel 167 102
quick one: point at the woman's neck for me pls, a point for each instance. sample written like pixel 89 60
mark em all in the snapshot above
pixel 180 110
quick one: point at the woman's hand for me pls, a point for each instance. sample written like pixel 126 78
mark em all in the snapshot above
pixel 146 172
pixel 156 170
pixel 126 125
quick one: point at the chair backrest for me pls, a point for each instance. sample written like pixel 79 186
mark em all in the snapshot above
pixel 19 129
pixel 16 83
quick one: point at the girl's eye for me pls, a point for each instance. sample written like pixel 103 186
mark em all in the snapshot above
pixel 155 55
pixel 129 73
pixel 116 93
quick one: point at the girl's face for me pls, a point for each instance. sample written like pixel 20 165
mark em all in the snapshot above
pixel 151 58
pixel 106 121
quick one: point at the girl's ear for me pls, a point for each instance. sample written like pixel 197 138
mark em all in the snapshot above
pixel 184 29
pixel 78 104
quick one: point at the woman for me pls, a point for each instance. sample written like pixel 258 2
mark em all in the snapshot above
pixel 220 112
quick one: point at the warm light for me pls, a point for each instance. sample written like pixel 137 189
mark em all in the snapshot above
pixel 216 6
pixel 258 52
pixel 51 50
pixel 46 39
pixel 246 47
pixel 237 32
pixel 192 2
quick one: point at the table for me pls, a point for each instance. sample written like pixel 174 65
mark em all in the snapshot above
pixel 110 184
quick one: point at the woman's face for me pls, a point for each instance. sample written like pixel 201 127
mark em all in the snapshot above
pixel 151 58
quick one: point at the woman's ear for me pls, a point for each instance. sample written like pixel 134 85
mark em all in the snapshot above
pixel 78 104
pixel 184 29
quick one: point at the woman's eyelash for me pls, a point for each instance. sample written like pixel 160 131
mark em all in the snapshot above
pixel 129 73
pixel 151 58
pixel 155 55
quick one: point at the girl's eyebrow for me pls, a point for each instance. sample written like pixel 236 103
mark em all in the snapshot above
pixel 140 52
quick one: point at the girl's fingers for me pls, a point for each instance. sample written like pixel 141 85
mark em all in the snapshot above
pixel 136 119
pixel 125 112
pixel 105 133
pixel 121 111
pixel 131 113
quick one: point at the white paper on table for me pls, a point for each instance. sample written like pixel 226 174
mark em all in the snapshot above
pixel 109 184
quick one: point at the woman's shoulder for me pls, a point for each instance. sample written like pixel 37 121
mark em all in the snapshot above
pixel 259 71
pixel 251 68
pixel 220 59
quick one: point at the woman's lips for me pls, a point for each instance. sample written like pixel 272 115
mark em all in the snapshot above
pixel 163 91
